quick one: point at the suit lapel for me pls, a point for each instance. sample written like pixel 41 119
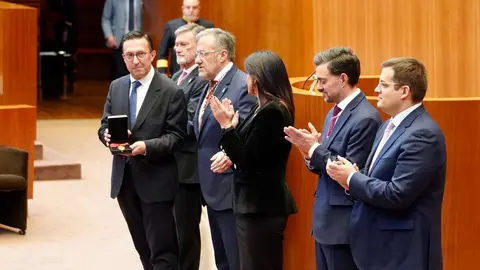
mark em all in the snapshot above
pixel 190 77
pixel 407 122
pixel 344 117
pixel 152 95
pixel 197 111
pixel 378 138
pixel 176 76
pixel 220 90
pixel 125 98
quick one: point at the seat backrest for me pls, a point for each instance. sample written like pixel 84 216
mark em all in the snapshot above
pixel 13 161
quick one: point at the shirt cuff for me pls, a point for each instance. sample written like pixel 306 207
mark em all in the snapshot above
pixel 349 177
pixel 312 149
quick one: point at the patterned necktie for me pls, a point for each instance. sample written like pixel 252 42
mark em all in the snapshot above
pixel 182 77
pixel 131 15
pixel 133 103
pixel 206 101
pixel 333 120
pixel 386 135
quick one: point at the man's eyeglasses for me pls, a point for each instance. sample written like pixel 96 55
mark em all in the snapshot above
pixel 139 55
pixel 202 54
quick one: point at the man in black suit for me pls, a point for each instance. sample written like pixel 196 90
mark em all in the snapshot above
pixel 188 201
pixel 146 181
pixel 191 13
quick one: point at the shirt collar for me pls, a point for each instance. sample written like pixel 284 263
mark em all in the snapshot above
pixel 223 72
pixel 190 69
pixel 343 104
pixel 398 119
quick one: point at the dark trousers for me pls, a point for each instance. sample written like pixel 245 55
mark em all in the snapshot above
pixel 260 241
pixel 120 67
pixel 151 226
pixel 224 238
pixel 188 212
pixel 334 257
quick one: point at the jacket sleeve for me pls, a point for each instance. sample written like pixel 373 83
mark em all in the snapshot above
pixel 107 17
pixel 107 111
pixel 163 51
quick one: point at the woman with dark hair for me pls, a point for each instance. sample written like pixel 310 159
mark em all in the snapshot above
pixel 262 201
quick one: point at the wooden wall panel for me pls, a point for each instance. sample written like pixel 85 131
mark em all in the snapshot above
pixel 18 54
pixel 444 34
pixel 18 124
pixel 459 221
pixel 281 26
pixel 30 3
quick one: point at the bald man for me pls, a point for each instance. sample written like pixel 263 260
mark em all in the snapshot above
pixel 191 14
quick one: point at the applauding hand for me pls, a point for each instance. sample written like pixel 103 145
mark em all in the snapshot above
pixel 224 112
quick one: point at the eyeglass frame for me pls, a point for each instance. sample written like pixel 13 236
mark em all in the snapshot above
pixel 203 53
pixel 137 54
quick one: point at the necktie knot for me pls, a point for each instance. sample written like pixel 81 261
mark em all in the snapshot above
pixel 389 128
pixel 336 110
pixel 182 77
pixel 213 83
pixel 135 85
pixel 333 120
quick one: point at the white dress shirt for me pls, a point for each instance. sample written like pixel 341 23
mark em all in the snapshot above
pixel 142 89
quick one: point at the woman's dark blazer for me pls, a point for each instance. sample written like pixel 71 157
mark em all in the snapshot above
pixel 259 151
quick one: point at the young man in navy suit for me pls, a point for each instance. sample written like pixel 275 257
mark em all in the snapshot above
pixel 349 129
pixel 214 57
pixel 396 220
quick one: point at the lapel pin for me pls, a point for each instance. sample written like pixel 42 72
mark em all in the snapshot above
pixel 223 91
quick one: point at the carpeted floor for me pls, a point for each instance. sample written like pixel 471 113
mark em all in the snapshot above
pixel 73 224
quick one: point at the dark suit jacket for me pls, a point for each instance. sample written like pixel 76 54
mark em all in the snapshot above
pixel 168 42
pixel 397 222
pixel 260 153
pixel 187 160
pixel 217 188
pixel 161 124
pixel 352 137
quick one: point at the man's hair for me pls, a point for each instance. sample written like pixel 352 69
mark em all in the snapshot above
pixel 223 39
pixel 194 28
pixel 138 35
pixel 410 72
pixel 340 60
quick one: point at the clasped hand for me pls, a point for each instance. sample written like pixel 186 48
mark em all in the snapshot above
pixel 340 170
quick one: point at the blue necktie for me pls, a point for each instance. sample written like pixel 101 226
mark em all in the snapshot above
pixel 131 15
pixel 133 103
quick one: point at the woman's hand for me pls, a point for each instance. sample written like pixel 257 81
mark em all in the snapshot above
pixel 224 112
